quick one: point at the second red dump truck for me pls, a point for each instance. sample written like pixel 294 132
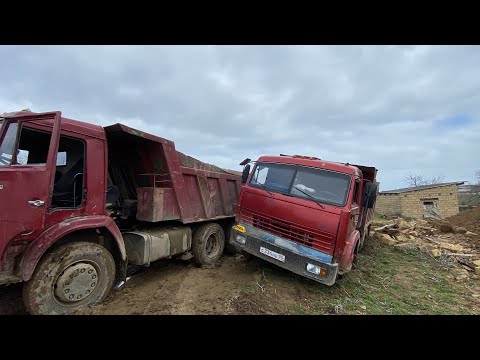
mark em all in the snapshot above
pixel 77 200
pixel 305 214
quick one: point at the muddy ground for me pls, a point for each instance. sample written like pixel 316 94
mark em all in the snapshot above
pixel 383 281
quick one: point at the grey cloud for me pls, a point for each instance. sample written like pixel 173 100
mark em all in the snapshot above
pixel 377 105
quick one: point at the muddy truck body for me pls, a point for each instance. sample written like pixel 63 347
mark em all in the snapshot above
pixel 305 214
pixel 80 202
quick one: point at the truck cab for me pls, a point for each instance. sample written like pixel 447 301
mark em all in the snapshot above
pixel 305 214
pixel 79 202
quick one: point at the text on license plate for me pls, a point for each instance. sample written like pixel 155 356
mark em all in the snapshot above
pixel 272 254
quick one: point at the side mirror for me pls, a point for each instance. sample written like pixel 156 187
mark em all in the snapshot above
pixel 246 171
pixel 369 195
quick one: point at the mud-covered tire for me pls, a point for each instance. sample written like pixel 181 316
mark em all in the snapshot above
pixel 361 242
pixel 83 269
pixel 208 244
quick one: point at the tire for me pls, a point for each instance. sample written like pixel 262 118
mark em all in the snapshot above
pixel 208 244
pixel 70 269
pixel 361 242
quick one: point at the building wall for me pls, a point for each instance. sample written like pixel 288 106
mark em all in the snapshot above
pixel 446 198
pixel 410 204
pixel 388 204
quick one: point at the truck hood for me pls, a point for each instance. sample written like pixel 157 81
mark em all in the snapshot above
pixel 291 218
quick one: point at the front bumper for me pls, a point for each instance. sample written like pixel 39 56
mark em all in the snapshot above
pixel 296 256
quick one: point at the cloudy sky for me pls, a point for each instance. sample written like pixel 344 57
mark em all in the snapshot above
pixel 403 109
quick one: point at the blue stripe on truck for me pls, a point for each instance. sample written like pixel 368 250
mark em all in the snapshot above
pixel 287 244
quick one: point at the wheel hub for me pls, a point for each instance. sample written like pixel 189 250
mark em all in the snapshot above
pixel 76 283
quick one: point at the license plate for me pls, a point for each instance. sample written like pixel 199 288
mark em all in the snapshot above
pixel 272 254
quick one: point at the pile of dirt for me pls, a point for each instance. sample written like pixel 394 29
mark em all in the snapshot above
pixel 452 245
pixel 469 219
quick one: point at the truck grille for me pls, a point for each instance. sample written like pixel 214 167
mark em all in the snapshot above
pixel 313 239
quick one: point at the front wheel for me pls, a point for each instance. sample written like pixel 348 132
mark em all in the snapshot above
pixel 68 278
pixel 208 244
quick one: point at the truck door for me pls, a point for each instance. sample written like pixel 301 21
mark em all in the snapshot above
pixel 28 152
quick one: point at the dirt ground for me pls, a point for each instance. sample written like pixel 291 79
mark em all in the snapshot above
pixel 469 219
pixel 383 281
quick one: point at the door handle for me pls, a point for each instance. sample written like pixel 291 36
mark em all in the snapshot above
pixel 36 202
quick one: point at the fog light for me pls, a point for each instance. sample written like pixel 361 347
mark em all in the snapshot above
pixel 315 269
pixel 241 239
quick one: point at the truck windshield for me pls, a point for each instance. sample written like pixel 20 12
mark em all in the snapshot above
pixel 322 185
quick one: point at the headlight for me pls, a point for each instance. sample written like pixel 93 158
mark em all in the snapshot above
pixel 317 270
pixel 314 269
pixel 241 239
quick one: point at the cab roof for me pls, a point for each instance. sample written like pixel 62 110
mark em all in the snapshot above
pixel 71 125
pixel 312 162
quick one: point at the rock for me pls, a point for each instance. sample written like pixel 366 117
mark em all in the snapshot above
pixel 477 270
pixel 422 222
pixel 413 233
pixel 459 230
pixel 426 247
pixel 460 274
pixel 411 237
pixel 451 247
pixel 404 246
pixel 436 232
pixel 363 307
pixel 402 224
pixel 476 262
pixel 446 228
pixel 471 234
pixel 385 239
pixel 402 238
pixel 435 252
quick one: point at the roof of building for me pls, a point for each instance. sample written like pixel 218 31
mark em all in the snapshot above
pixel 422 187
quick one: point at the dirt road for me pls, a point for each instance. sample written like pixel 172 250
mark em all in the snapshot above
pixel 384 281
pixel 167 287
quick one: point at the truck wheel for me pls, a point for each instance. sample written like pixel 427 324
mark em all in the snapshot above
pixel 361 242
pixel 68 278
pixel 208 244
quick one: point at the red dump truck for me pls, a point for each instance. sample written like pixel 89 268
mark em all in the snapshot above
pixel 77 200
pixel 305 214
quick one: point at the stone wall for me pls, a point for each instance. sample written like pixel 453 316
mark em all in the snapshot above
pixel 388 204
pixel 410 204
pixel 445 197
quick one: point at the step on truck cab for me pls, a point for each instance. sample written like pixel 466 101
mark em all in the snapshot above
pixel 305 214
pixel 79 202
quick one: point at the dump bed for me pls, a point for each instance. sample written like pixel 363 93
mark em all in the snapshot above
pixel 167 184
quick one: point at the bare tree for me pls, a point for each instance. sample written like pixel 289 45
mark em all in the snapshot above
pixel 477 176
pixel 418 180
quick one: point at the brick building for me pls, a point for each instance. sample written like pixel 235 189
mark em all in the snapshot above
pixel 438 200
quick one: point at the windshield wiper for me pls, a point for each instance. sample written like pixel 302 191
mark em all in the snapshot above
pixel 265 188
pixel 310 196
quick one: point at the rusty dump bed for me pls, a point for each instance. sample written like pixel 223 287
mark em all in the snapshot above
pixel 166 184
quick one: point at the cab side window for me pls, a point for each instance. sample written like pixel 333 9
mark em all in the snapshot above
pixel 69 186
pixel 32 147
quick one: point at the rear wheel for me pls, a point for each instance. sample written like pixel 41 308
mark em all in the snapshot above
pixel 208 244
pixel 68 278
